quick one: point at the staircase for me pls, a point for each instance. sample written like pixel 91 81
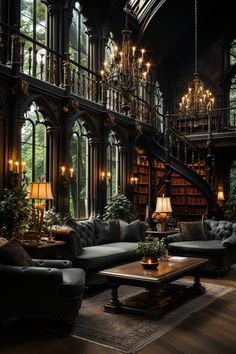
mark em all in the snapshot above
pixel 180 155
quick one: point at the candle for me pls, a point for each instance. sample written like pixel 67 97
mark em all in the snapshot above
pixel 133 51
pixel 10 165
pixel 103 175
pixel 108 175
pixel 17 166
pixel 63 169
pixel 142 52
pixel 23 165
pixel 71 172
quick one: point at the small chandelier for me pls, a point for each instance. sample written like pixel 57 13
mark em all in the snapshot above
pixel 198 101
pixel 127 71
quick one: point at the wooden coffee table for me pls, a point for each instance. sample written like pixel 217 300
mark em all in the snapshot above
pixel 160 293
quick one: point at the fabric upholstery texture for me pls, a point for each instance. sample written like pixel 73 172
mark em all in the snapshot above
pixel 133 232
pixel 100 256
pixel 85 230
pixel 106 231
pixel 12 253
pixel 219 247
pixel 218 230
pixel 192 230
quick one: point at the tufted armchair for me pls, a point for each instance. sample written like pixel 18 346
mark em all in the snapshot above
pixel 211 239
pixel 48 289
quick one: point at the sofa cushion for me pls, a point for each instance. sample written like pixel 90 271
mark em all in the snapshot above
pixel 198 248
pixel 192 230
pixel 12 253
pixel 218 230
pixel 133 232
pixel 106 231
pixel 100 256
pixel 85 230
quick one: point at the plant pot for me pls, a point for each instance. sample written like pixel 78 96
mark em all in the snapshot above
pixel 149 262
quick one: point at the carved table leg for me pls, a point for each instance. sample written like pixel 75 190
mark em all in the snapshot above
pixel 197 286
pixel 114 304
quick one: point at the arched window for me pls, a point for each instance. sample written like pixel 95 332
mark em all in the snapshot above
pixel 79 182
pixel 78 37
pixel 112 166
pixel 34 30
pixel 34 142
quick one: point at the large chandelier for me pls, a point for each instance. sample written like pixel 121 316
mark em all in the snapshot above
pixel 198 101
pixel 128 71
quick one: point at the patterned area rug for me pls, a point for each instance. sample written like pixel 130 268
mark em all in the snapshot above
pixel 129 333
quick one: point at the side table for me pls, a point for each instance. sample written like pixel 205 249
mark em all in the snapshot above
pixel 44 249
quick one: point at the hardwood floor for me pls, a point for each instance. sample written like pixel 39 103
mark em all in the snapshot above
pixel 210 331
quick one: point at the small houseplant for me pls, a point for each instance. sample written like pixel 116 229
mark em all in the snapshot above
pixel 151 252
pixel 119 207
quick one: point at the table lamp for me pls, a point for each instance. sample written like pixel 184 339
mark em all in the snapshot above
pixel 40 191
pixel 163 208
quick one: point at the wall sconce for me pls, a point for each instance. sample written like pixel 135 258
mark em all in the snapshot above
pixel 133 180
pixel 220 196
pixel 105 179
pixel 15 171
pixel 65 172
pixel 66 175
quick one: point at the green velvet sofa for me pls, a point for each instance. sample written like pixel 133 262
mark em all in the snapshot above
pixel 95 244
pixel 211 239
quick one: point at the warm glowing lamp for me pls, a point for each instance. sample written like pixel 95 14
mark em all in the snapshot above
pixel 220 196
pixel 163 208
pixel 39 191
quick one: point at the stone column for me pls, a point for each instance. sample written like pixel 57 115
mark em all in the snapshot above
pixel 54 172
pixel 122 175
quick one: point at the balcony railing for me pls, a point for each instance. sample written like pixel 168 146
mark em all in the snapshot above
pixel 220 121
pixel 34 59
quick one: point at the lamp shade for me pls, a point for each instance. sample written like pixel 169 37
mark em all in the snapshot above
pixel 163 205
pixel 40 190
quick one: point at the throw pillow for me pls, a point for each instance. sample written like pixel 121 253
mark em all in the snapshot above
pixel 106 231
pixel 2 241
pixel 133 232
pixel 192 230
pixel 12 253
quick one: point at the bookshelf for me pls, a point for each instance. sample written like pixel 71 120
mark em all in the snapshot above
pixel 146 185
pixel 187 201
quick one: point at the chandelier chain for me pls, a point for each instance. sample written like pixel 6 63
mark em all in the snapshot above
pixel 196 37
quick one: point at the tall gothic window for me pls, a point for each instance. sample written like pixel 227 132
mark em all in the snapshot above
pixel 78 37
pixel 34 30
pixel 34 142
pixel 79 182
pixel 112 166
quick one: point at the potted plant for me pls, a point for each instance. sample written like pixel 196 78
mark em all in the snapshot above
pixel 15 212
pixel 151 252
pixel 119 207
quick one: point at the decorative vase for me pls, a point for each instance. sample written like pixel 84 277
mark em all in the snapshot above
pixel 149 262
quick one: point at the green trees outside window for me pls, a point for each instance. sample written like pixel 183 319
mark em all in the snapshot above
pixel 34 26
pixel 34 144
pixel 78 37
pixel 79 183
pixel 112 166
